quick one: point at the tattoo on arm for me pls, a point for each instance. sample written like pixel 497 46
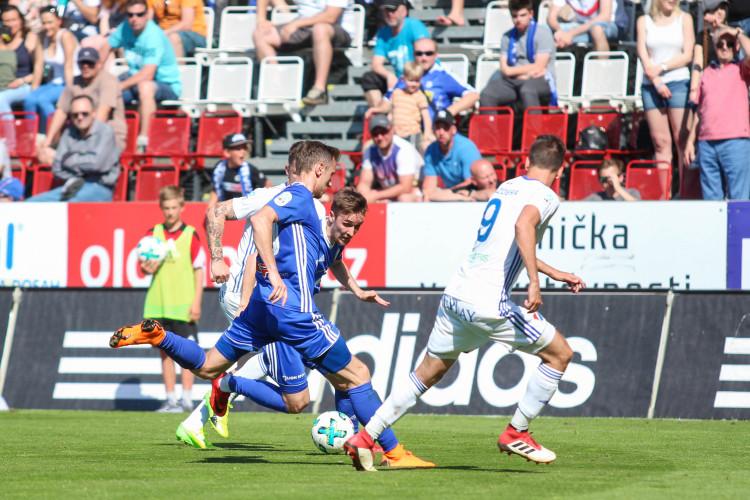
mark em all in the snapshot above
pixel 215 227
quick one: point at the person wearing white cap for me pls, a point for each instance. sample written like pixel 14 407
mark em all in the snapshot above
pixel 233 176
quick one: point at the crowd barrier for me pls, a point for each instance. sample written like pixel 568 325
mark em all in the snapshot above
pixel 657 354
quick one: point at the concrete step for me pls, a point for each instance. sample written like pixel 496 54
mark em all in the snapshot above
pixel 323 131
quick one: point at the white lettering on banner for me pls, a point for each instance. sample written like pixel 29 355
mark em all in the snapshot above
pixel 92 253
pixel 607 244
pixel 358 256
pixel 736 346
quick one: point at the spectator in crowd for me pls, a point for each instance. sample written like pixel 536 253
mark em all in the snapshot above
pixel 11 189
pixel 722 126
pixel 739 15
pixel 612 179
pixel 153 75
pixel 527 63
pixel 111 14
pixel 175 294
pixel 104 90
pixel 183 21
pixel 666 40
pixel 390 165
pixel 439 85
pixel 32 10
pixel 318 26
pixel 455 17
pixel 7 58
pixel 483 181
pixel 410 108
pixel 87 158
pixel 394 44
pixel 28 57
pixel 59 48
pixel 81 17
pixel 714 18
pixel 5 166
pixel 233 176
pixel 450 158
pixel 593 21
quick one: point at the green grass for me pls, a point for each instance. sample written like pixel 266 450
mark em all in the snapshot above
pixel 77 454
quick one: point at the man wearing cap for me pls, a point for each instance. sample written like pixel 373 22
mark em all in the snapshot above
pixel 104 90
pixel 722 126
pixel 389 166
pixel 87 159
pixel 450 158
pixel 233 176
pixel 11 189
pixel 394 44
pixel 318 25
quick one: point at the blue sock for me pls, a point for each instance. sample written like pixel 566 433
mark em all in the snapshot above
pixel 185 352
pixel 259 391
pixel 366 402
pixel 344 405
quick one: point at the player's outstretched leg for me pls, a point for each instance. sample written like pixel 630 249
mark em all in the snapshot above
pixel 217 402
pixel 194 438
pixel 148 331
pixel 187 353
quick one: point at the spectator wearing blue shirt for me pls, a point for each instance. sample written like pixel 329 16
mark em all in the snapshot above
pixel 450 158
pixel 153 75
pixel 439 85
pixel 394 44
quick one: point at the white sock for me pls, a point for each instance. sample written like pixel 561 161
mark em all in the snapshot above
pixel 171 397
pixel 542 385
pixel 224 383
pixel 254 368
pixel 197 419
pixel 402 399
pixel 187 396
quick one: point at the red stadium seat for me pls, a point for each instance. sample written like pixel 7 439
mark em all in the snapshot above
pixel 213 126
pixel 133 121
pixel 493 134
pixel 120 192
pixel 501 171
pixel 652 182
pixel 19 172
pixel 150 178
pixel 604 117
pixel 584 180
pixel 338 180
pixel 19 129
pixel 44 180
pixel 168 137
pixel 521 170
pixel 543 120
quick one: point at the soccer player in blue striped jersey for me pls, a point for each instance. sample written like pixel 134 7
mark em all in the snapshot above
pixel 476 308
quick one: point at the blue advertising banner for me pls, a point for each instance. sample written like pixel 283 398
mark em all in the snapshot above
pixel 738 245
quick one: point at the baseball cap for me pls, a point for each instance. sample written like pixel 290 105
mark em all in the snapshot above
pixel 444 116
pixel 88 54
pixel 12 188
pixel 379 120
pixel 393 4
pixel 233 140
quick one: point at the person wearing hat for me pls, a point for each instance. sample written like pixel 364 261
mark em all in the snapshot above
pixel 450 158
pixel 394 44
pixel 103 88
pixel 11 189
pixel 233 176
pixel 389 166
pixel 721 128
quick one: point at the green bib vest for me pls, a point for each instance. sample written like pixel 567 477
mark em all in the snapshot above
pixel 173 287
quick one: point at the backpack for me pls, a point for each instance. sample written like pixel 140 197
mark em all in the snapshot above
pixel 593 139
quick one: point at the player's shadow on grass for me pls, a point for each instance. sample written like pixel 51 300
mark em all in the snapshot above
pixel 244 460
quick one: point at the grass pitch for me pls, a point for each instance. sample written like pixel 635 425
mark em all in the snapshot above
pixel 78 454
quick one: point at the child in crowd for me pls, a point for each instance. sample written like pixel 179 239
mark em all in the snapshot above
pixel 410 109
pixel 233 176
pixel 174 297
pixel 612 179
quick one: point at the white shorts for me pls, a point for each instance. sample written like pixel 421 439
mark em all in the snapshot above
pixel 229 302
pixel 462 327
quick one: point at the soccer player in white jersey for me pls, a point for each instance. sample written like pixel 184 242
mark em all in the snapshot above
pixel 476 308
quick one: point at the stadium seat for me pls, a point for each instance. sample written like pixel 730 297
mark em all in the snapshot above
pixel 119 66
pixel 213 126
pixel 565 68
pixel 543 12
pixel 584 179
pixel 44 180
pixel 150 178
pixel 120 192
pixel 501 171
pixel 168 137
pixel 493 134
pixel 190 76
pixel 19 172
pixel 279 88
pixel 133 121
pixel 353 21
pixel 605 117
pixel 652 182
pixel 497 22
pixel 209 16
pixel 487 64
pixel 521 170
pixel 604 78
pixel 458 64
pixel 19 129
pixel 235 35
pixel 338 180
pixel 543 120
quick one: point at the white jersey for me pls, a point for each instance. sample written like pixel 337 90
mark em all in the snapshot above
pixel 488 273
pixel 245 207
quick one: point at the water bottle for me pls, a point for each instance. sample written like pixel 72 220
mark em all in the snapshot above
pixel 61 4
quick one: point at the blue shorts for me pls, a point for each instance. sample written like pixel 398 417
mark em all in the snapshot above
pixel 191 41
pixel 610 29
pixel 164 92
pixel 310 334
pixel 652 99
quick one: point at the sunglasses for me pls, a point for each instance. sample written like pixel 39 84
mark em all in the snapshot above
pixel 429 53
pixel 136 14
pixel 603 180
pixel 82 114
pixel 723 44
pixel 379 131
pixel 90 64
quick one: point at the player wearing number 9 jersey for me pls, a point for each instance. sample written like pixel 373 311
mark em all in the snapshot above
pixel 476 306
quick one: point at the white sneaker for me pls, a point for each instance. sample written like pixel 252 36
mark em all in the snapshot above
pixel 170 407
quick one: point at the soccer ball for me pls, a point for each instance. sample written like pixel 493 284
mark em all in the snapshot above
pixel 331 430
pixel 151 248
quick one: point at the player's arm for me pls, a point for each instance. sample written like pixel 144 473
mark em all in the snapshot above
pixel 248 283
pixel 526 241
pixel 574 282
pixel 341 272
pixel 215 217
pixel 262 223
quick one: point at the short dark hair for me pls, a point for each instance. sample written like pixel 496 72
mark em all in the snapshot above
pixel 547 152
pixel 133 3
pixel 611 162
pixel 348 201
pixel 49 9
pixel 311 153
pixel 516 5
